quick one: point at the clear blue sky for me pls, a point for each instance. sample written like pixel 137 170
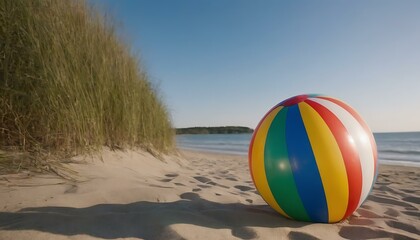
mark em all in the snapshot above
pixel 227 62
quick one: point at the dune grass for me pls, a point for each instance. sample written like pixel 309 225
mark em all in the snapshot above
pixel 69 84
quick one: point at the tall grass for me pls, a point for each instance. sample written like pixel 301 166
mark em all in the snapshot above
pixel 69 84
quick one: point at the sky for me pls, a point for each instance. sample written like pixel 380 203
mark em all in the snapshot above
pixel 227 62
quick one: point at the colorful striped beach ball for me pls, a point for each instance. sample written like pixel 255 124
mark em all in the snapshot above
pixel 313 158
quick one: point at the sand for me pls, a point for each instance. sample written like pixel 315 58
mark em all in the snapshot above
pixel 188 196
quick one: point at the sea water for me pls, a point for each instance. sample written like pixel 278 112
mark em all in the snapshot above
pixel 399 148
pixel 220 143
pixel 393 148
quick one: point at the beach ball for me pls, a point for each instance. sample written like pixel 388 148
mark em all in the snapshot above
pixel 313 158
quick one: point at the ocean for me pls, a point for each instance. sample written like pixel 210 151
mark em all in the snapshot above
pixel 393 148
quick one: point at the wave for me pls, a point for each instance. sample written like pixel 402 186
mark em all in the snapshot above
pixel 217 150
pixel 404 152
pixel 401 149
pixel 400 163
pixel 213 143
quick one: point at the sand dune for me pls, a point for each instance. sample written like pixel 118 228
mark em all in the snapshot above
pixel 191 196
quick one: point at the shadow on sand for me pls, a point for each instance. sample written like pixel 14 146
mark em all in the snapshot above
pixel 148 220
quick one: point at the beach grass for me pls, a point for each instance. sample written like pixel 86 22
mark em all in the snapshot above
pixel 69 84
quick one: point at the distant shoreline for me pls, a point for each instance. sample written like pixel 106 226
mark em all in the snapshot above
pixel 214 130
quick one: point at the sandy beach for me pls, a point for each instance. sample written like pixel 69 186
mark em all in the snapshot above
pixel 191 195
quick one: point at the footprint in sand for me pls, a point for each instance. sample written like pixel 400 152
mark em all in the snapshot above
pixel 189 196
pixel 293 235
pixel 166 180
pixel 71 189
pixel 216 184
pixel 208 181
pixel 244 233
pixel 243 188
pixel 211 183
pixel 232 179
pixel 170 177
pixel 202 179
pixel 392 212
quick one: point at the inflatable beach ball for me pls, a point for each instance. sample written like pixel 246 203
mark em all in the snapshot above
pixel 313 158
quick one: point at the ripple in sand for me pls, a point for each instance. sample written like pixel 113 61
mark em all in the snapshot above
pixel 388 201
pixel 360 221
pixel 172 175
pixel 385 189
pixel 365 206
pixel 368 214
pixel 404 226
pixel 412 199
pixel 408 191
pixel 386 196
pixel 353 232
pixel 412 213
pixel 154 185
